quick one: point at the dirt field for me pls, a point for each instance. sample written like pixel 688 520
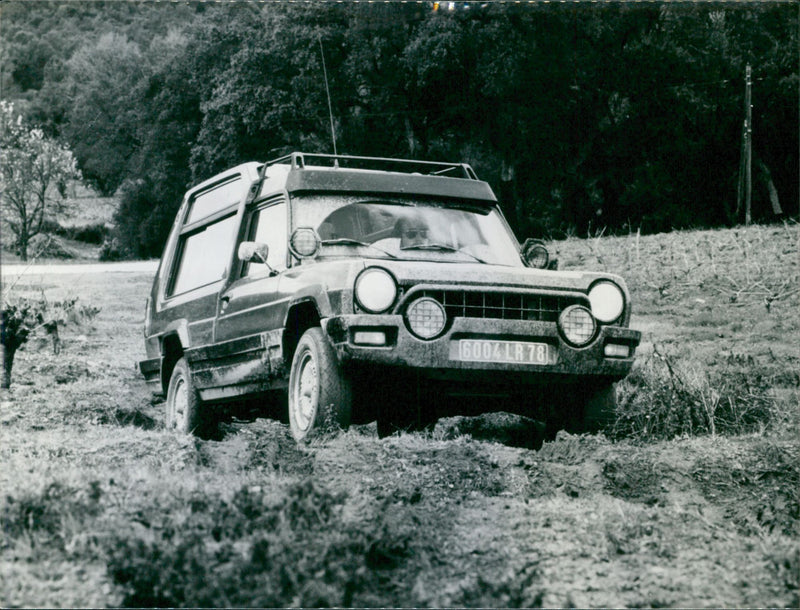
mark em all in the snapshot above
pixel 690 501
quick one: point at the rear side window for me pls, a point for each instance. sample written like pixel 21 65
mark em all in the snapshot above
pixel 215 200
pixel 203 255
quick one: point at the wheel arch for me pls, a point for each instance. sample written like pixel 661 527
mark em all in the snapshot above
pixel 171 352
pixel 301 316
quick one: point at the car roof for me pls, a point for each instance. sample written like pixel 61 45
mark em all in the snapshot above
pixel 302 173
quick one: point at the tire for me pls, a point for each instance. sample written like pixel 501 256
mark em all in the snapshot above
pixel 591 410
pixel 320 394
pixel 184 408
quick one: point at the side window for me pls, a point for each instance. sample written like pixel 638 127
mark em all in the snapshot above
pixel 268 226
pixel 215 200
pixel 203 255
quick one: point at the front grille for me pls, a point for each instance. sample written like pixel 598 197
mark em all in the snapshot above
pixel 501 305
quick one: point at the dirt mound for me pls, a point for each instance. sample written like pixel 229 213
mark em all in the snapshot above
pixel 505 428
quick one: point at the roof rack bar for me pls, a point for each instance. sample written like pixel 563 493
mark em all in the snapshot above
pixel 299 160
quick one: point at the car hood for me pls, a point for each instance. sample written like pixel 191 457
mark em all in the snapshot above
pixel 476 274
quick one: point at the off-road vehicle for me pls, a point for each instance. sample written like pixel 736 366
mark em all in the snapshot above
pixel 375 289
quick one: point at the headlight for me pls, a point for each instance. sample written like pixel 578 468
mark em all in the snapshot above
pixel 375 290
pixel 426 318
pixel 607 301
pixel 577 324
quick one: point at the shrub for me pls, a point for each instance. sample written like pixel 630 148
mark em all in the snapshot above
pixel 663 398
pixel 112 251
pixel 18 321
pixel 49 246
pixel 281 545
pixel 51 516
pixel 22 317
pixel 94 234
pixel 253 550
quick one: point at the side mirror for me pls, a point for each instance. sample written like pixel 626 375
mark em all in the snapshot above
pixel 534 254
pixel 253 252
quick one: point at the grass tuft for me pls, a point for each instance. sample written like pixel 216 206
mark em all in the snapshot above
pixel 258 549
pixel 50 517
pixel 665 397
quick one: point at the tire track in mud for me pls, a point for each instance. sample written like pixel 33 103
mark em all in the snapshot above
pixel 589 523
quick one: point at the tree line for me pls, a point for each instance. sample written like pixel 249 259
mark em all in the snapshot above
pixel 621 116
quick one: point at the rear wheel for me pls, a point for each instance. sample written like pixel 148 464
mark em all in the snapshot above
pixel 320 395
pixel 184 407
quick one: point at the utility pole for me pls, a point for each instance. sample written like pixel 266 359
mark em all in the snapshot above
pixel 748 141
pixel 745 188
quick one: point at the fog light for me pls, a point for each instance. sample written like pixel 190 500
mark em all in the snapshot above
pixel 426 318
pixel 369 337
pixel 577 324
pixel 615 350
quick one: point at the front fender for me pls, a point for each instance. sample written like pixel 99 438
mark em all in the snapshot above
pixel 328 284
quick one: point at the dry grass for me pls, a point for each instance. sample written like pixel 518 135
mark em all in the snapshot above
pixel 720 315
pixel 741 266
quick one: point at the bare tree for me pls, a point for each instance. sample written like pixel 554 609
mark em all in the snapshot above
pixel 34 172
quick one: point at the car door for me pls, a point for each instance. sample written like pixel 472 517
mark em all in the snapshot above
pixel 198 260
pixel 252 309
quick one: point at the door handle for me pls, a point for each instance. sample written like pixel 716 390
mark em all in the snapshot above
pixel 223 302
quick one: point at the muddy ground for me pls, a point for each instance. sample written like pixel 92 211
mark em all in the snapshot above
pixel 101 507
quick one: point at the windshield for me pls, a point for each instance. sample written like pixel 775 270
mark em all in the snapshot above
pixel 408 230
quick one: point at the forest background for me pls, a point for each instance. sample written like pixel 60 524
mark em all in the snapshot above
pixel 583 117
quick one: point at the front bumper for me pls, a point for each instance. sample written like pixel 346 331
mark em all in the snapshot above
pixel 438 357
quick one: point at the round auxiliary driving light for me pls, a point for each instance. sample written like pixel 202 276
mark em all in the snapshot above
pixel 607 301
pixel 375 290
pixel 426 318
pixel 304 242
pixel 535 254
pixel 577 324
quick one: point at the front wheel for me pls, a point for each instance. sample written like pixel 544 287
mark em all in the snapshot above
pixel 320 395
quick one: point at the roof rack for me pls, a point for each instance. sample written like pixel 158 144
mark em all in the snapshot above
pixel 299 160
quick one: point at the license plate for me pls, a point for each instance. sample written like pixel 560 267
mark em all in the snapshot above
pixel 513 352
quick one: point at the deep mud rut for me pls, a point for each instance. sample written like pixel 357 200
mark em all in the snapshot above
pixel 582 522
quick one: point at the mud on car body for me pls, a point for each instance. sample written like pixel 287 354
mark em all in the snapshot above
pixel 375 289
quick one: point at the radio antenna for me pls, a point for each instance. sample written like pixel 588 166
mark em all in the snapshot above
pixel 327 91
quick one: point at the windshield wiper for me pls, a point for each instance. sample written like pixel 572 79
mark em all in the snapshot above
pixel 443 248
pixel 347 241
